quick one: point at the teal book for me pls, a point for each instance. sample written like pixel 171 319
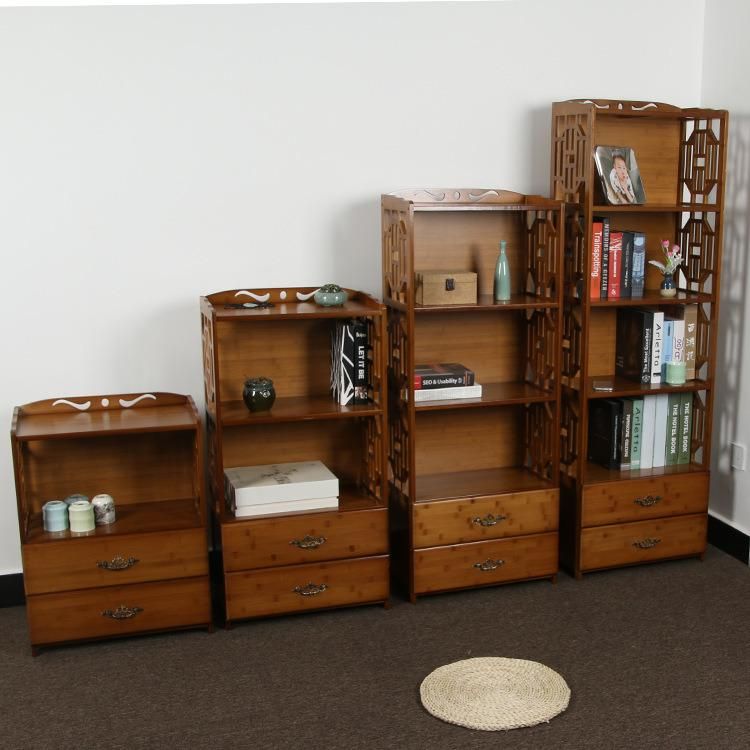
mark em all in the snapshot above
pixel 636 431
pixel 673 429
pixel 686 419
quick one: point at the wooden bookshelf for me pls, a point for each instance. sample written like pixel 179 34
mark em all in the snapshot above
pixel 288 339
pixel 681 156
pixel 496 455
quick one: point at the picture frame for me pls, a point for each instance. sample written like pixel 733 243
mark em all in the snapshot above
pixel 619 175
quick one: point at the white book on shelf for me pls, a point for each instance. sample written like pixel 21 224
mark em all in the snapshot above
pixel 267 509
pixel 445 394
pixel 660 429
pixel 271 483
pixel 648 422
pixel 657 343
pixel 678 341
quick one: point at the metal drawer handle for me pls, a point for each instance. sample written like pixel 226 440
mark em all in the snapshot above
pixel 118 562
pixel 311 589
pixel 308 542
pixel 489 520
pixel 122 612
pixel 489 564
pixel 646 543
pixel 648 501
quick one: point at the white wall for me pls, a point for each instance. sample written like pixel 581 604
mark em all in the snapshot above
pixel 726 64
pixel 149 155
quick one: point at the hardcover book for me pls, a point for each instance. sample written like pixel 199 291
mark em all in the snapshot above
pixel 633 344
pixel 291 506
pixel 667 353
pixel 619 176
pixel 604 432
pixel 626 432
pixel 605 256
pixel 647 432
pixel 636 433
pixel 657 345
pixel 596 259
pixel 443 375
pixel 615 265
pixel 626 280
pixel 445 394
pixel 673 429
pixel 349 362
pixel 690 316
pixel 661 417
pixel 686 418
pixel 271 483
pixel 639 264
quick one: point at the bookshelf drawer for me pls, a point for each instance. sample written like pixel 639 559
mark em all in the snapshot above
pixel 304 538
pixel 482 518
pixel 478 563
pixel 640 499
pixel 297 588
pixel 643 541
pixel 118 610
pixel 88 562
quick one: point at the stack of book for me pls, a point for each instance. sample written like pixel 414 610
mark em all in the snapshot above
pixel 618 262
pixel 640 433
pixel 648 339
pixel 447 380
pixel 280 488
pixel 349 362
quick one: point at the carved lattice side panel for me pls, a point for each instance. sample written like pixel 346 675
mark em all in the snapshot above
pixel 398 409
pixel 698 240
pixel 375 355
pixel 575 254
pixel 543 238
pixel 703 342
pixel 570 427
pixel 396 263
pixel 701 160
pixel 571 153
pixel 540 439
pixel 698 428
pixel 541 348
pixel 572 345
pixel 209 376
pixel 373 468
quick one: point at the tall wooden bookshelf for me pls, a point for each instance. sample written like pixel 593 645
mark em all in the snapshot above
pixel 474 482
pixel 614 518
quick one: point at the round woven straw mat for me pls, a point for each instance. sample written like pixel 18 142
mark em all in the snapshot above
pixel 494 693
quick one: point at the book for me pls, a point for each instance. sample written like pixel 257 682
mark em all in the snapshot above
pixel 636 432
pixel 290 506
pixel 445 394
pixel 626 425
pixel 349 348
pixel 667 349
pixel 657 343
pixel 690 316
pixel 647 432
pixel 605 256
pixel 633 344
pixel 595 285
pixel 619 176
pixel 615 265
pixel 604 432
pixel 443 375
pixel 678 340
pixel 626 279
pixel 639 264
pixel 686 420
pixel 661 415
pixel 284 482
pixel 672 446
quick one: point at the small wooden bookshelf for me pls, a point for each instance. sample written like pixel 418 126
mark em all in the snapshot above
pixel 681 156
pixel 288 339
pixel 481 469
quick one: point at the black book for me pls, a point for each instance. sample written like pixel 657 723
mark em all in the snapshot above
pixel 626 279
pixel 361 395
pixel 605 418
pixel 626 433
pixel 633 344
pixel 349 362
pixel 442 375
pixel 605 256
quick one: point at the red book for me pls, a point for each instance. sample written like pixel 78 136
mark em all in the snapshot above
pixel 597 231
pixel 615 265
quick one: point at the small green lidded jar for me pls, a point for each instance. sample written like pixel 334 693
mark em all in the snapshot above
pixel 258 394
pixel 330 295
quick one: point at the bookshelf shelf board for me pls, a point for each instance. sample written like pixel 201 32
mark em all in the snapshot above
pixel 46 426
pixel 652 298
pixel 351 499
pixel 460 484
pixel 682 208
pixel 624 387
pixel 353 308
pixel 294 409
pixel 136 518
pixel 487 302
pixel 596 474
pixel 493 394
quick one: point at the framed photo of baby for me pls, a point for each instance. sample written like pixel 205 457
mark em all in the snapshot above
pixel 619 176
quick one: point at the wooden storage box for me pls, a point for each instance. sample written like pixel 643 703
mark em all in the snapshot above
pixel 446 287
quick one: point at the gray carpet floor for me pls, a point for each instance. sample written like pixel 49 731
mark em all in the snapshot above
pixel 656 657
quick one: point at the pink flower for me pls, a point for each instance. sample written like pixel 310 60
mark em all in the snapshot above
pixel 665 244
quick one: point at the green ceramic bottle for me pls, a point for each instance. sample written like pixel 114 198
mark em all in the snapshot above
pixel 502 276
